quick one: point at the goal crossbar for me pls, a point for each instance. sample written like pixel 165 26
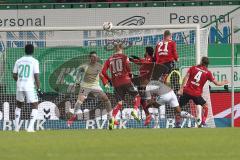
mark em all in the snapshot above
pixel 99 28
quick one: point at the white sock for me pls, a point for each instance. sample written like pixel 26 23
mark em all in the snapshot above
pixel 199 112
pixel 185 114
pixel 17 116
pixel 109 115
pixel 33 119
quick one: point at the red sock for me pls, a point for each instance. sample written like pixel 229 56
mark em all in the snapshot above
pixel 116 110
pixel 73 118
pixel 205 114
pixel 144 106
pixel 136 102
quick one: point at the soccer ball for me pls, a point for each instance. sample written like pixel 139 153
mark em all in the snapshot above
pixel 107 26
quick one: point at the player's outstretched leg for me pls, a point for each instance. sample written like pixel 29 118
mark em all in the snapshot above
pixel 73 118
pixel 136 104
pixel 147 113
pixel 17 115
pixel 115 111
pixel 33 118
pixel 204 115
pixel 107 104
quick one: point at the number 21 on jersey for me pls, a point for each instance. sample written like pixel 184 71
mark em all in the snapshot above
pixel 163 48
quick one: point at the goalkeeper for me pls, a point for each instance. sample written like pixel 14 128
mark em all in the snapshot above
pixel 89 83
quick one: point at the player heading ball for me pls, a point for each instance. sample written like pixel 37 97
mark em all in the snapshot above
pixel 26 74
pixel 166 51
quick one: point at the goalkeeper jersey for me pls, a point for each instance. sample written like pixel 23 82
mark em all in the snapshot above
pixel 90 77
pixel 25 68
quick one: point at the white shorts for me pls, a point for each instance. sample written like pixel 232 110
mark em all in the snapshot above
pixel 31 96
pixel 169 98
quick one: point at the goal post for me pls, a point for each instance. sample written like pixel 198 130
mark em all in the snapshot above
pixel 61 50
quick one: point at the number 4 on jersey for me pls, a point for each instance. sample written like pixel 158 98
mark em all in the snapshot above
pixel 198 76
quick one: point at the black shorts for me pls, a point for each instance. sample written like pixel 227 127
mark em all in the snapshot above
pixel 141 92
pixel 184 99
pixel 170 66
pixel 122 90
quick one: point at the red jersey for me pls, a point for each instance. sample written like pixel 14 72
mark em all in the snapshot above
pixel 119 68
pixel 166 51
pixel 198 76
pixel 144 63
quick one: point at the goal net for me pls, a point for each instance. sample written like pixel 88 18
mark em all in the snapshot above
pixel 61 51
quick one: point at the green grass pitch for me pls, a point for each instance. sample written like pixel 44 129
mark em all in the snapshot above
pixel 130 144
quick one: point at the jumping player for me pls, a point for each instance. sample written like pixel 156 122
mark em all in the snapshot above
pixel 90 84
pixel 144 63
pixel 119 67
pixel 26 74
pixel 166 52
pixel 192 86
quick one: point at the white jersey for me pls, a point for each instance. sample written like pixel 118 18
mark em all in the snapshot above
pixel 25 68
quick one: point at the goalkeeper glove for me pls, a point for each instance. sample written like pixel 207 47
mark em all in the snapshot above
pixel 40 93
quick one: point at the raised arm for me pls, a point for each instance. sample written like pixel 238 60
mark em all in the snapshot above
pixel 217 83
pixel 213 80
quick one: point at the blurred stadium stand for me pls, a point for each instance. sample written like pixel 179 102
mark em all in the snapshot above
pixel 51 4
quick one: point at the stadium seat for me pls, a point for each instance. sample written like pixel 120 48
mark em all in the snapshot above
pixel 135 4
pixel 172 4
pixel 59 6
pixel 25 6
pixel 79 5
pixel 211 3
pixel 43 6
pixel 5 7
pixel 231 2
pixel 99 5
pixel 192 4
pixel 118 5
pixel 154 4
